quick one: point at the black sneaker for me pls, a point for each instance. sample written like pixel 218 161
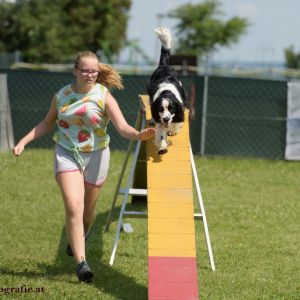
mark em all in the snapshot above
pixel 84 272
pixel 69 248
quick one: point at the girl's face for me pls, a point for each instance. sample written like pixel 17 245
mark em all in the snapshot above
pixel 87 71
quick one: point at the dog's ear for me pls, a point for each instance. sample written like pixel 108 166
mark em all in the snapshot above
pixel 179 113
pixel 184 96
pixel 155 110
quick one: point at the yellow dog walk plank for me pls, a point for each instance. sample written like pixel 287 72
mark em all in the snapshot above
pixel 171 210
pixel 168 246
pixel 169 167
pixel 184 133
pixel 172 225
pixel 174 195
pixel 181 154
pixel 173 253
pixel 171 241
pixel 172 180
pixel 178 145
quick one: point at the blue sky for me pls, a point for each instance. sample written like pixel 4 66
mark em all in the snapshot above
pixel 274 26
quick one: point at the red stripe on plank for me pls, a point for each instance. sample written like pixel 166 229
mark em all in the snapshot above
pixel 172 278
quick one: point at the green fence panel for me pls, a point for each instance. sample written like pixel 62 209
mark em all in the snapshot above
pixel 30 94
pixel 245 117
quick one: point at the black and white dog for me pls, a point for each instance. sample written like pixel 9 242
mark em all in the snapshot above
pixel 167 95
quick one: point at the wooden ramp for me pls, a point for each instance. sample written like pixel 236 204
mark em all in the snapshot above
pixel 172 268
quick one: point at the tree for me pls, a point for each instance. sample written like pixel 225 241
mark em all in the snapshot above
pixel 292 59
pixel 6 15
pixel 200 30
pixel 53 31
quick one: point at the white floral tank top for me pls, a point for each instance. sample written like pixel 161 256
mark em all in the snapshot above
pixel 82 120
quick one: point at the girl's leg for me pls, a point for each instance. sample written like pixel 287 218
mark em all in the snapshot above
pixel 90 200
pixel 72 188
pixel 95 177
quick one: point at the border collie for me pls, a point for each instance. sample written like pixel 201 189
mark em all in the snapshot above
pixel 167 95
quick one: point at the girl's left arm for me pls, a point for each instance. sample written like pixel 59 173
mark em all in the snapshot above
pixel 114 113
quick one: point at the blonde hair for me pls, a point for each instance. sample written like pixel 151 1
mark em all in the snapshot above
pixel 107 76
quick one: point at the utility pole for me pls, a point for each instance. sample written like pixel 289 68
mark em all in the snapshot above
pixel 204 104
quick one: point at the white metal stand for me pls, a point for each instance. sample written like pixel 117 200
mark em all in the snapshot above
pixel 125 193
pixel 202 214
pixel 129 191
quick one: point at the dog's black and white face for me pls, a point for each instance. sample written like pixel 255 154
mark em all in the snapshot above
pixel 166 112
pixel 166 109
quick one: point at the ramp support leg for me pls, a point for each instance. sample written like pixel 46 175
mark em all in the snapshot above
pixel 117 191
pixel 200 200
pixel 125 197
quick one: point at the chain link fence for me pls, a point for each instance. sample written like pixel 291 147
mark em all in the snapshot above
pixel 244 117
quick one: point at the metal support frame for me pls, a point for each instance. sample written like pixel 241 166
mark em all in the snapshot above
pixel 202 215
pixel 118 190
pixel 143 192
pixel 125 197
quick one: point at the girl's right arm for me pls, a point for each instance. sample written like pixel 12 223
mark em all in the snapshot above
pixel 44 127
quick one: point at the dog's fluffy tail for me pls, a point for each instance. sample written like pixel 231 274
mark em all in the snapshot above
pixel 165 37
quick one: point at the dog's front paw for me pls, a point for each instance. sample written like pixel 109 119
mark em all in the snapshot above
pixel 171 133
pixel 163 151
pixel 163 147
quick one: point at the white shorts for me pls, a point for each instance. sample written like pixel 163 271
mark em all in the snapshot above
pixel 96 164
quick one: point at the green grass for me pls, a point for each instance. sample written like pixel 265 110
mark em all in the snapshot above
pixel 252 207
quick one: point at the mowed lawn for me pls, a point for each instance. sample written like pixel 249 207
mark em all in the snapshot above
pixel 252 207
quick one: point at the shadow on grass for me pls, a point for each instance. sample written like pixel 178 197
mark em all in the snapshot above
pixel 106 278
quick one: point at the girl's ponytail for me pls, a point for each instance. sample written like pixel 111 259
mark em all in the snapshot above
pixel 109 77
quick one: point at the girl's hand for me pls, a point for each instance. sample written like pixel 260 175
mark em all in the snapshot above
pixel 18 149
pixel 146 134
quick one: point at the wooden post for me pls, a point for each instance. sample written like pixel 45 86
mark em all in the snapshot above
pixel 6 129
